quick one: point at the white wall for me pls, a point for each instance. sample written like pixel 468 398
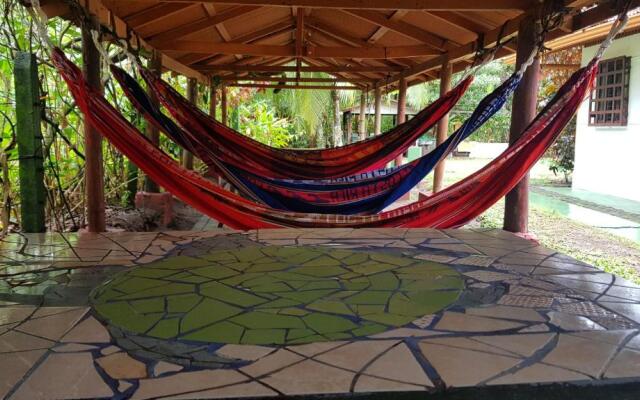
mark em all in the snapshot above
pixel 608 158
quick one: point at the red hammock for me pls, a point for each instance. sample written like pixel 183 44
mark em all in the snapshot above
pixel 244 152
pixel 450 208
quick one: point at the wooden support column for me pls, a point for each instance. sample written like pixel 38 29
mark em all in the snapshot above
pixel 377 125
pixel 362 118
pixel 223 105
pixel 525 98
pixel 93 175
pixel 443 126
pixel 155 65
pixel 402 110
pixel 349 118
pixel 29 138
pixel 192 96
pixel 337 127
pixel 213 100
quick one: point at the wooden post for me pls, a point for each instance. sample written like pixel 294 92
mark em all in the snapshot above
pixel 377 125
pixel 362 120
pixel 402 110
pixel 93 175
pixel 213 100
pixel 153 134
pixel 223 105
pixel 29 138
pixel 525 99
pixel 337 128
pixel 443 126
pixel 349 118
pixel 192 96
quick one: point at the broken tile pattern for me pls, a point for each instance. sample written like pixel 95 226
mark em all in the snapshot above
pixel 527 315
pixel 270 296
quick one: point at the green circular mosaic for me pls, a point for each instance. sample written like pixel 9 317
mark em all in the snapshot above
pixel 274 295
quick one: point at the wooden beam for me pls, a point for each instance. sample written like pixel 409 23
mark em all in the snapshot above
pixel 299 44
pixel 93 168
pixel 461 5
pixel 380 32
pixel 213 100
pixel 286 68
pixel 236 78
pixel 401 114
pixel 192 96
pixel 202 47
pixel 155 65
pixel 509 29
pixel 362 118
pixel 348 117
pixel 403 28
pixel 115 24
pixel 267 86
pixel 223 105
pixel 443 126
pixel 525 101
pixel 277 28
pixel 198 26
pixel 377 122
pixel 597 14
pixel 337 128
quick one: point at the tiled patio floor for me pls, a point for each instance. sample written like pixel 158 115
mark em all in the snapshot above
pixel 226 314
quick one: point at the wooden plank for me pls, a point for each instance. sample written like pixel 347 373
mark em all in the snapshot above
pixel 199 25
pixel 157 13
pixel 33 195
pixel 336 33
pixel 462 5
pixel 408 30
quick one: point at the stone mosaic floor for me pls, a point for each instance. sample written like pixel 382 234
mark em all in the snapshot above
pixel 374 310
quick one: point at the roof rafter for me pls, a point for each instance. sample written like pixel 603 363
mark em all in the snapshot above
pixel 285 68
pixel 486 5
pixel 194 46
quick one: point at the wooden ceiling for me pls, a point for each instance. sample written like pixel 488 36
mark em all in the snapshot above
pixel 364 43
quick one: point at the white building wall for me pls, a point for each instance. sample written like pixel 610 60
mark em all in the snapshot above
pixel 608 158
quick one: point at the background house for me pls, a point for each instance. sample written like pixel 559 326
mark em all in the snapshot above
pixel 608 135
